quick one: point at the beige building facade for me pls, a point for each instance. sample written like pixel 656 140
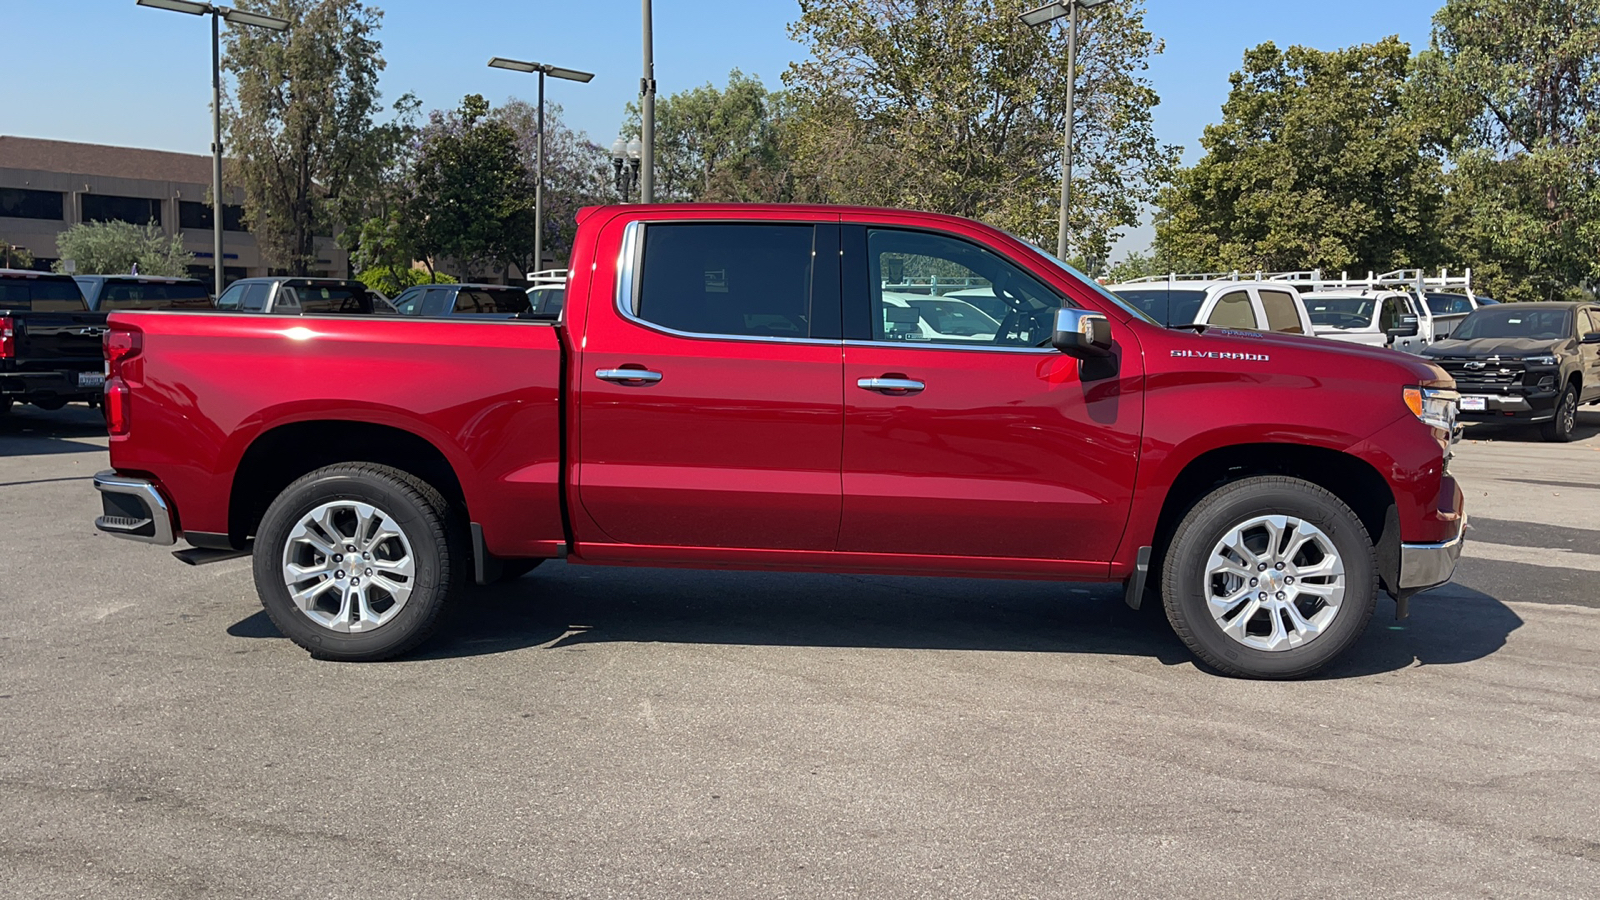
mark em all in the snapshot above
pixel 48 186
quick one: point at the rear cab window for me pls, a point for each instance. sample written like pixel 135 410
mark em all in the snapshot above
pixel 728 279
pixel 44 294
pixel 318 299
pixel 115 295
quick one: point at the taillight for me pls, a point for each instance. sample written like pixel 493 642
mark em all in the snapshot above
pixel 117 407
pixel 8 339
pixel 121 344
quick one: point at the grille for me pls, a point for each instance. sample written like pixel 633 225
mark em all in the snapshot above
pixel 1483 373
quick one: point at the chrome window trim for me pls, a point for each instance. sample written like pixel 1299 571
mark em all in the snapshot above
pixel 937 345
pixel 632 253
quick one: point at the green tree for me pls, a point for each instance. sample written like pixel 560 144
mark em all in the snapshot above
pixel 14 257
pixel 720 144
pixel 1315 164
pixel 1513 87
pixel 576 174
pixel 391 281
pixel 470 196
pixel 957 106
pixel 301 134
pixel 113 248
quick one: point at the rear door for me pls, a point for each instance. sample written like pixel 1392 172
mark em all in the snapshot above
pixel 709 387
pixel 976 444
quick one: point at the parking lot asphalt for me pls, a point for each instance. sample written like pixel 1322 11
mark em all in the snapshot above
pixel 599 732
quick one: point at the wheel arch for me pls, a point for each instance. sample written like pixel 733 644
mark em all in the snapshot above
pixel 279 455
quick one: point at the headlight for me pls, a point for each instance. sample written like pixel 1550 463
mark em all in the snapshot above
pixel 1544 359
pixel 1436 407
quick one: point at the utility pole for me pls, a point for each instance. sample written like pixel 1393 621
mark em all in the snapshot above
pixel 647 117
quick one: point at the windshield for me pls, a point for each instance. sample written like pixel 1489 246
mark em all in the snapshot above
pixel 1515 321
pixel 1163 306
pixel 1341 312
pixel 1116 301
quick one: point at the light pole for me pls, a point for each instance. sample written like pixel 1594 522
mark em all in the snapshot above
pixel 232 17
pixel 516 65
pixel 625 165
pixel 1042 16
pixel 647 115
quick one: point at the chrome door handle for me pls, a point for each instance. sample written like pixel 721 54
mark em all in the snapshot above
pixel 634 377
pixel 890 385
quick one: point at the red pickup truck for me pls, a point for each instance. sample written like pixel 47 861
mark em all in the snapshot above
pixel 736 387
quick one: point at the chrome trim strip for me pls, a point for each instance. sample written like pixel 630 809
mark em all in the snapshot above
pixel 109 482
pixel 1430 565
pixel 935 345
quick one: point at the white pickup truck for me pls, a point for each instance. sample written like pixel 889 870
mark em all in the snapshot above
pixel 1227 301
pixel 1403 310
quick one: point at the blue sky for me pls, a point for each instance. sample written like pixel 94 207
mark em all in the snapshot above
pixel 110 72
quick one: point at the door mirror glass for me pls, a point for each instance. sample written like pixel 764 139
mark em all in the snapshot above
pixel 1405 325
pixel 1082 334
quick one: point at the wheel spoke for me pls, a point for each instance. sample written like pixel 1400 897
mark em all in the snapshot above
pixel 1237 627
pixel 1279 637
pixel 403 567
pixel 1274 526
pixel 1263 616
pixel 303 598
pixel 365 602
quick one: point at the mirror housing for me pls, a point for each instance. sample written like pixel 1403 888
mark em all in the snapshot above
pixel 1405 327
pixel 1592 337
pixel 1082 334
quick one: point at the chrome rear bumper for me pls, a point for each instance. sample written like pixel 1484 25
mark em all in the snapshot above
pixel 134 509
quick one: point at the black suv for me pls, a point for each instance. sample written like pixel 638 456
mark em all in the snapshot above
pixel 109 293
pixel 1525 362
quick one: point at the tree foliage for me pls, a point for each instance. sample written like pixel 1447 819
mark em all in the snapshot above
pixel 391 281
pixel 113 248
pixel 301 132
pixel 721 144
pixel 576 174
pixel 1513 89
pixel 1315 164
pixel 956 106
pixel 14 257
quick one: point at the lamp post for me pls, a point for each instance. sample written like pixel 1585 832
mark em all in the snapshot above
pixel 1042 16
pixel 233 17
pixel 625 165
pixel 517 65
pixel 647 114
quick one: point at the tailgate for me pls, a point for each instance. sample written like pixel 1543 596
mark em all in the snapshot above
pixel 58 340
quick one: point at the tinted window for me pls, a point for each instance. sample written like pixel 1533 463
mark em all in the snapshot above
pixel 547 302
pixel 331 299
pixel 1166 307
pixel 480 301
pixel 409 301
pixel 194 214
pixel 915 258
pixel 1341 312
pixel 230 298
pixel 1282 315
pixel 153 295
pixel 1233 311
pixel 746 280
pixel 1515 321
pixel 255 297
pixel 109 208
pixel 41 295
pixel 1445 304
pixel 21 203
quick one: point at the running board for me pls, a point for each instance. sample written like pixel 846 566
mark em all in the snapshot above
pixel 199 556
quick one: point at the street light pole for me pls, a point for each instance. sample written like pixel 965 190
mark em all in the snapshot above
pixel 1042 16
pixel 235 17
pixel 542 69
pixel 647 115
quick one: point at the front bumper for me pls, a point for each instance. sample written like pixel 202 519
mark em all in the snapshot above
pixel 1423 566
pixel 134 509
pixel 1517 407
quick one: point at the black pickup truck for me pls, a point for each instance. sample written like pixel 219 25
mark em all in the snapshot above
pixel 1525 362
pixel 50 352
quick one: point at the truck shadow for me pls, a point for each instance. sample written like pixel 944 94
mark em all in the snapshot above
pixel 569 607
pixel 1588 426
pixel 30 431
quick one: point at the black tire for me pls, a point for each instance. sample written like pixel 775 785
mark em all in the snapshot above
pixel 438 545
pixel 5 405
pixel 1559 429
pixel 1186 585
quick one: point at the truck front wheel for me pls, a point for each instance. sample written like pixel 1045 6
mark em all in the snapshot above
pixel 1270 577
pixel 355 562
pixel 1565 421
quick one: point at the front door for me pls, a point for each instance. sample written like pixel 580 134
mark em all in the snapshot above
pixel 963 436
pixel 709 389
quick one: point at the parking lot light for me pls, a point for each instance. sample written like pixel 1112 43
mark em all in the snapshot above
pixel 542 69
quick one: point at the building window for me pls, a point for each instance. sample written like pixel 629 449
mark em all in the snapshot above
pixel 110 208
pixel 194 214
pixel 21 203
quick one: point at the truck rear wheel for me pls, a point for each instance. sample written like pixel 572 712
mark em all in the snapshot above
pixel 355 562
pixel 1270 577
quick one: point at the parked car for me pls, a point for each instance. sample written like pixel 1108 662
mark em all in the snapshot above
pixel 1525 362
pixel 1228 303
pixel 298 296
pixel 105 293
pixel 496 301
pixel 1374 318
pixel 1439 303
pixel 725 390
pixel 49 342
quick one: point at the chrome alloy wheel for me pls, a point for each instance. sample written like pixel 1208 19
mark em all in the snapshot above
pixel 1567 416
pixel 1274 583
pixel 348 566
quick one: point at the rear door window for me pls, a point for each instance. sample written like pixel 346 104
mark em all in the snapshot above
pixel 727 279
pixel 330 299
pixel 1233 310
pixel 1282 313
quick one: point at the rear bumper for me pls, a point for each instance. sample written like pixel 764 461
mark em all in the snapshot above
pixel 1424 566
pixel 63 383
pixel 134 509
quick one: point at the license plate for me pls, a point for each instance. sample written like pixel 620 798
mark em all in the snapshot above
pixel 1473 404
pixel 91 379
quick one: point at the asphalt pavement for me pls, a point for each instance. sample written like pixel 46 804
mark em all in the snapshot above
pixel 642 733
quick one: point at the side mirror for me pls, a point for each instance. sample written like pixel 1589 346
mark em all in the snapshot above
pixel 1592 337
pixel 1082 334
pixel 1404 327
